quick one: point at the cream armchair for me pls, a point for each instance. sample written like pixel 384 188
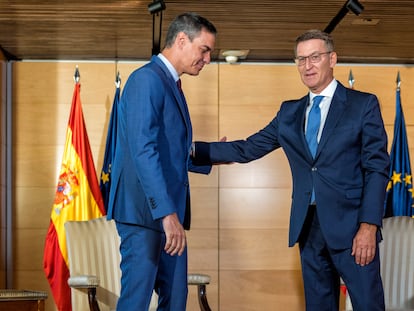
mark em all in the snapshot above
pixel 94 258
pixel 397 264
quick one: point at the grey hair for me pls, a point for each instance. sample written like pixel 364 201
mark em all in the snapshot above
pixel 189 23
pixel 315 34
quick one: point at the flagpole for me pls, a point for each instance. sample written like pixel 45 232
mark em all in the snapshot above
pixel 398 81
pixel 76 75
pixel 109 155
pixel 351 79
pixel 118 80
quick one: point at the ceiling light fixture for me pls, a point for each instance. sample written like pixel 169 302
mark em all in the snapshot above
pixel 155 8
pixel 350 5
pixel 233 56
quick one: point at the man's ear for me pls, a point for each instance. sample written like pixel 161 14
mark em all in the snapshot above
pixel 333 59
pixel 180 39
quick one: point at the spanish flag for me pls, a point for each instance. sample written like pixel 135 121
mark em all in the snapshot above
pixel 78 197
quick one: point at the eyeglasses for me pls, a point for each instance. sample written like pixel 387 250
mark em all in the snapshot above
pixel 314 58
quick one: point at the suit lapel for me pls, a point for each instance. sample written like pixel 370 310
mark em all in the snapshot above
pixel 182 105
pixel 179 97
pixel 335 112
pixel 301 113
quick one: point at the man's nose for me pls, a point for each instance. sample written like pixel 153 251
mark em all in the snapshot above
pixel 308 62
pixel 207 58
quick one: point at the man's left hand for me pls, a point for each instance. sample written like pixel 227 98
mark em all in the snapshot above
pixel 364 244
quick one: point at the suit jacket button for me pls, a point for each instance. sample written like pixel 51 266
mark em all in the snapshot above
pixel 314 169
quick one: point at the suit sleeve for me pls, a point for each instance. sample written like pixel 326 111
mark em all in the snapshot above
pixel 375 163
pixel 145 98
pixel 240 151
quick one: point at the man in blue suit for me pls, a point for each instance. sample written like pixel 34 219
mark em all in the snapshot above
pixel 149 195
pixel 339 162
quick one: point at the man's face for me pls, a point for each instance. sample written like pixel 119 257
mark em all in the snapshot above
pixel 197 53
pixel 316 65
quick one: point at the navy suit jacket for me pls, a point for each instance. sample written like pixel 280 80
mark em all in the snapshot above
pixel 152 158
pixel 349 172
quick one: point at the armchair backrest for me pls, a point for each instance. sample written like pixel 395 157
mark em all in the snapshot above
pixel 93 249
pixel 397 262
pixel 94 258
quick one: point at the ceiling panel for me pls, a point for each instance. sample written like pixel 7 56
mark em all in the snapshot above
pixel 122 30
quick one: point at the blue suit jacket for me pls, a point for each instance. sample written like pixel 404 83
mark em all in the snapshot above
pixel 152 158
pixel 349 172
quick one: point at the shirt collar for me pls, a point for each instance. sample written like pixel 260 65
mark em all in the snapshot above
pixel 327 92
pixel 170 67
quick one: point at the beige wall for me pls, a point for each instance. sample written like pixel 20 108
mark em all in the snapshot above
pixel 240 212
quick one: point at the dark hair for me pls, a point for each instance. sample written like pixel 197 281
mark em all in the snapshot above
pixel 189 23
pixel 315 34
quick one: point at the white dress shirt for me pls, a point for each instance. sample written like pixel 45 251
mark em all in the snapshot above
pixel 327 94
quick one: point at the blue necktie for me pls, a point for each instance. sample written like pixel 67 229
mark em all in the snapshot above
pixel 312 129
pixel 314 122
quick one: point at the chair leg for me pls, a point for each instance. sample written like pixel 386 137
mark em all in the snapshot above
pixel 202 298
pixel 93 303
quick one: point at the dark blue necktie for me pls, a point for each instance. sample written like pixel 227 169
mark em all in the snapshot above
pixel 312 129
pixel 179 88
pixel 314 122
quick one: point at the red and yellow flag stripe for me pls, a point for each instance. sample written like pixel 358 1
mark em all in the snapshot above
pixel 78 197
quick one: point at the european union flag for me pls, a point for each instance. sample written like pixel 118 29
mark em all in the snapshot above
pixel 105 182
pixel 398 200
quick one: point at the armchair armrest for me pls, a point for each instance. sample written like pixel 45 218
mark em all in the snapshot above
pixel 90 282
pixel 201 280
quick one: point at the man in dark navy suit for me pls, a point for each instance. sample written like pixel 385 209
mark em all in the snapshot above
pixel 335 142
pixel 149 195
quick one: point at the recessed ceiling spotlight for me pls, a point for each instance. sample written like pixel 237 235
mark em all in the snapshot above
pixel 365 21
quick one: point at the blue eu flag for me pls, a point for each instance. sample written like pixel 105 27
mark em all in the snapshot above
pixel 398 200
pixel 105 181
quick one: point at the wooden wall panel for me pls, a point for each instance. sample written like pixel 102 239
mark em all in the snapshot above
pixel 256 249
pixel 240 211
pixel 204 212
pixel 258 85
pixel 203 254
pixel 381 80
pixel 254 207
pixel 239 122
pixel 3 214
pixel 264 290
pixel 270 171
pixel 33 205
pixel 255 197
